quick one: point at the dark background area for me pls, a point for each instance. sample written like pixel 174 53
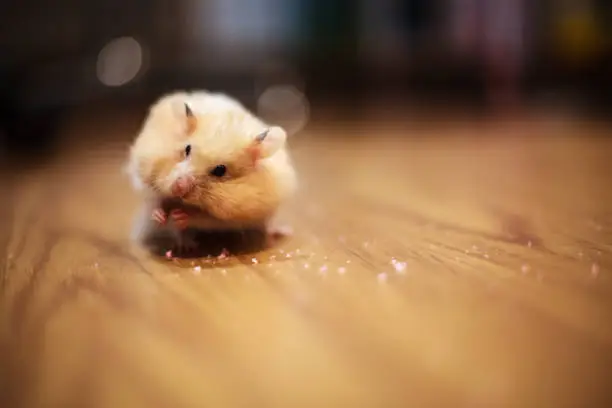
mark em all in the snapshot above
pixel 486 54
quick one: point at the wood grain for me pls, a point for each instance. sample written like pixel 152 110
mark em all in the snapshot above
pixel 500 295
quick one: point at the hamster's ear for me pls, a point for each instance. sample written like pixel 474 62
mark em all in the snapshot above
pixel 184 113
pixel 269 141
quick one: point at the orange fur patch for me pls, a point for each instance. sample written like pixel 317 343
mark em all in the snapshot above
pixel 254 152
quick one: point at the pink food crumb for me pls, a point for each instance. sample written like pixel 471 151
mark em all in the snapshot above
pixel 342 270
pixel 197 269
pixel 169 254
pixel 400 267
pixel 254 260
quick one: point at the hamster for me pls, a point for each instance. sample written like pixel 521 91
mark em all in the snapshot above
pixel 202 160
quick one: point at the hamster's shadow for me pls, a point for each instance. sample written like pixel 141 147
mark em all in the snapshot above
pixel 210 243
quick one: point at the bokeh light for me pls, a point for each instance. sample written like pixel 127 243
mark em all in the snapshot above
pixel 120 61
pixel 286 106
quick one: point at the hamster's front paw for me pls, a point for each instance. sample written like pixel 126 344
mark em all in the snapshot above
pixel 180 219
pixel 159 216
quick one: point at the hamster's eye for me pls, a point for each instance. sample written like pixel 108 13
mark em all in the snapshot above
pixel 218 171
pixel 187 150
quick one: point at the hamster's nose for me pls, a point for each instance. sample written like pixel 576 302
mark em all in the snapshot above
pixel 182 186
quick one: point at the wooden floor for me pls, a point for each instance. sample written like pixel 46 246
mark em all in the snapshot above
pixel 435 263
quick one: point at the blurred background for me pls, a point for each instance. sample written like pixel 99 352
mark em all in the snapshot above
pixel 297 58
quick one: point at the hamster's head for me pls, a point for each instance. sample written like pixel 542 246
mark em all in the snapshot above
pixel 224 161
